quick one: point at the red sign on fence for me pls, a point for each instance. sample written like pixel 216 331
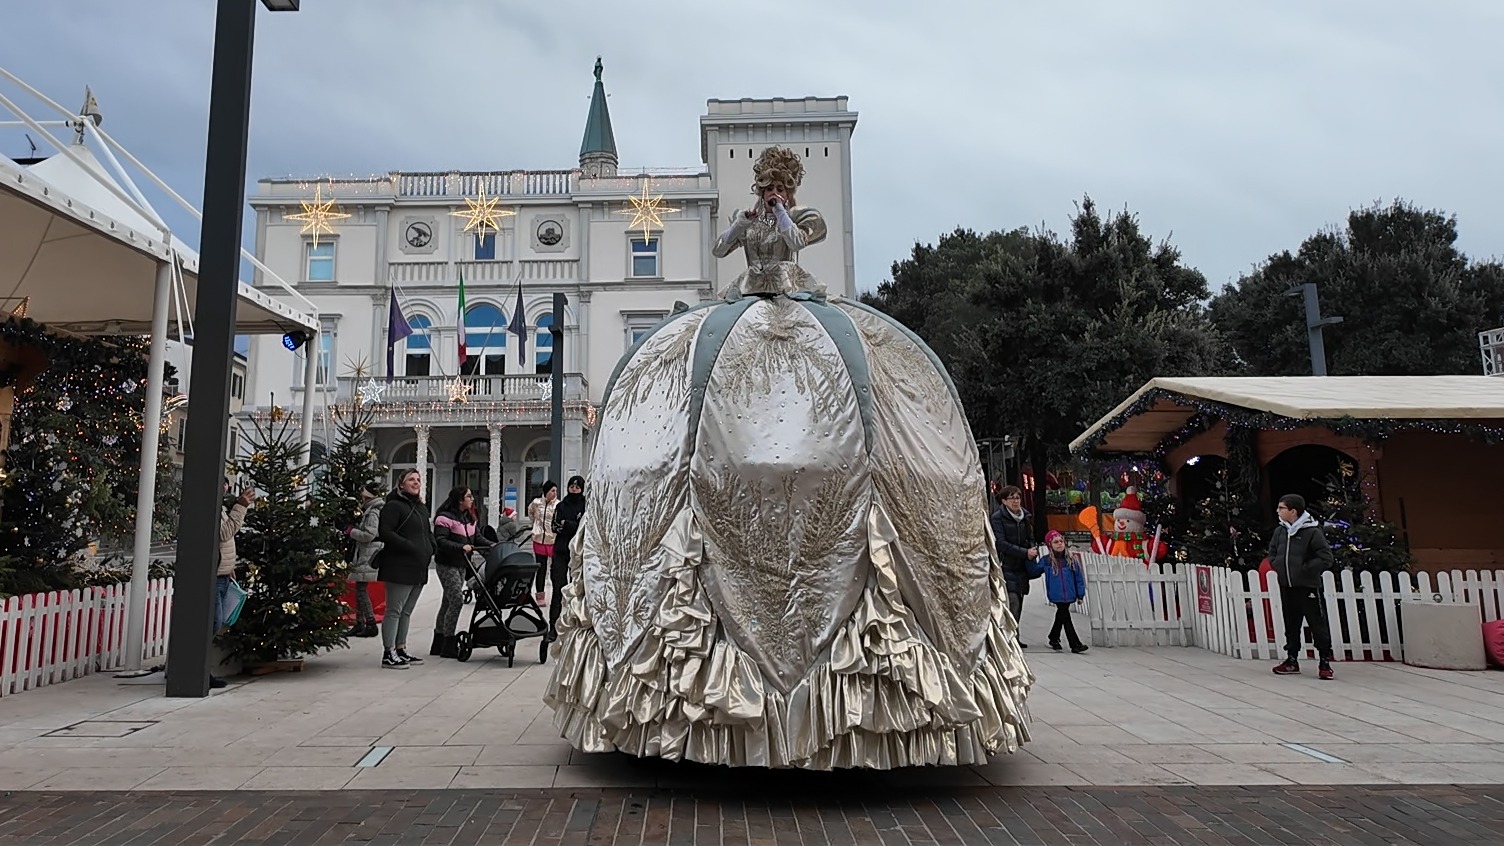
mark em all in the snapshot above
pixel 1203 589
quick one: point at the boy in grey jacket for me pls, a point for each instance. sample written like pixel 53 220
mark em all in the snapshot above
pixel 1299 554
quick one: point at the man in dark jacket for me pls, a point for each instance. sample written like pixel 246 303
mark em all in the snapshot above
pixel 1299 554
pixel 1013 530
pixel 567 519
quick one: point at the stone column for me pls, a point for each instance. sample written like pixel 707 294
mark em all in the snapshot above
pixel 422 459
pixel 493 476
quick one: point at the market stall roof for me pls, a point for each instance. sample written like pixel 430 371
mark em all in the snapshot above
pixel 83 259
pixel 1141 422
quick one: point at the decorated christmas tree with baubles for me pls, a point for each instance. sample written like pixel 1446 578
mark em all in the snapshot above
pixel 291 566
pixel 1359 538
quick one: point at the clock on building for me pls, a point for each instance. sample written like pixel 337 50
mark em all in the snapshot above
pixel 418 234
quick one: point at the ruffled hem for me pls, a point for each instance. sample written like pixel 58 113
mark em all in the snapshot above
pixel 883 698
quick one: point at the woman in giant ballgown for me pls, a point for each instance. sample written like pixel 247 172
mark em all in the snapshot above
pixel 786 559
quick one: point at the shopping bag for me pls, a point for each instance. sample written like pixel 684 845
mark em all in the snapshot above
pixel 234 601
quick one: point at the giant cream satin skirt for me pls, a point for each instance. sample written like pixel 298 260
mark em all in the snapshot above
pixel 786 559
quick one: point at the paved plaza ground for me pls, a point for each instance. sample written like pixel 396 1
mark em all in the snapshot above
pixel 1164 745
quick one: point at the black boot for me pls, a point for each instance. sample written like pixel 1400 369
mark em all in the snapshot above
pixel 372 629
pixel 438 645
pixel 451 647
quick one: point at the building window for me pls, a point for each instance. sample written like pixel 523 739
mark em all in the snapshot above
pixel 324 366
pixel 485 341
pixel 183 432
pixel 485 246
pixel 639 323
pixel 237 386
pixel 543 344
pixel 417 361
pixel 645 257
pixel 320 264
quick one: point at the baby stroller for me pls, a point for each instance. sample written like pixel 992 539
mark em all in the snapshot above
pixel 505 612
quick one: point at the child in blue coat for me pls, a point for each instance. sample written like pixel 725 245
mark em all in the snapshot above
pixel 1065 583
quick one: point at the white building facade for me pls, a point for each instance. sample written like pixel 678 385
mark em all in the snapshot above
pixel 485 423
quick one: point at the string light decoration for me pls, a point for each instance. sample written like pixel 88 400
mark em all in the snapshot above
pixel 482 214
pixel 459 390
pixel 369 392
pixel 318 216
pixel 647 210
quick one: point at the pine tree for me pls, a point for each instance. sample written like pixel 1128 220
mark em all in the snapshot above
pixel 348 467
pixel 1359 539
pixel 291 567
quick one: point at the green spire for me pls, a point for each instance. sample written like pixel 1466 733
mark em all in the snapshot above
pixel 598 136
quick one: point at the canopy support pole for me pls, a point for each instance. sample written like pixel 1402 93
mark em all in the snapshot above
pixel 146 486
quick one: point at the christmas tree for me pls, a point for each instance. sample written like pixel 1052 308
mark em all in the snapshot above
pixel 1359 539
pixel 1221 529
pixel 71 467
pixel 291 568
pixel 349 466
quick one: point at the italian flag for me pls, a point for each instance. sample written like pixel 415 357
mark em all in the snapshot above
pixel 459 320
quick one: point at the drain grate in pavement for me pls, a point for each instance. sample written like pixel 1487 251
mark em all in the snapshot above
pixel 102 728
pixel 375 756
pixel 1314 753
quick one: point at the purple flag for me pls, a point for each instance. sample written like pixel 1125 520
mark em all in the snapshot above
pixel 518 326
pixel 397 328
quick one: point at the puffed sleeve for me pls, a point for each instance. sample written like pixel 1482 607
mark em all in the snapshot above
pixel 729 240
pixel 809 228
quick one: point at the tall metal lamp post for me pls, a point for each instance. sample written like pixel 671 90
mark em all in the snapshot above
pixel 213 345
pixel 556 399
pixel 1314 324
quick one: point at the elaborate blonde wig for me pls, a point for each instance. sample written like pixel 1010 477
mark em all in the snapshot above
pixel 778 164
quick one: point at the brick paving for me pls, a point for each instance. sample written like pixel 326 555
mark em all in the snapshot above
pixel 794 810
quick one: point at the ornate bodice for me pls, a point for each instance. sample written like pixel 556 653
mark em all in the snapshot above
pixel 772 256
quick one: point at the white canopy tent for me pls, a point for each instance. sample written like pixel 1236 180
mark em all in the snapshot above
pixel 84 251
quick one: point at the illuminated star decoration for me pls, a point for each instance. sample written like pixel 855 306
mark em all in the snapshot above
pixel 370 392
pixel 546 392
pixel 318 215
pixel 459 390
pixel 647 211
pixel 482 213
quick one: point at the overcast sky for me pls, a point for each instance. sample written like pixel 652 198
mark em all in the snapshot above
pixel 1233 129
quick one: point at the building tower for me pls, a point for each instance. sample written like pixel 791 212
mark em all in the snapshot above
pixel 598 150
pixel 733 133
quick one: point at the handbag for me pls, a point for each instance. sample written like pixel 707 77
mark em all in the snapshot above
pixel 234 600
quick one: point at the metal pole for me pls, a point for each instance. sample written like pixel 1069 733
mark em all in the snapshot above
pixel 311 352
pixel 556 412
pixel 146 491
pixel 1314 324
pixel 1313 329
pixel 213 350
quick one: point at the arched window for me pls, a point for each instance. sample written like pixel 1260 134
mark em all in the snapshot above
pixel 544 344
pixel 485 341
pixel 418 361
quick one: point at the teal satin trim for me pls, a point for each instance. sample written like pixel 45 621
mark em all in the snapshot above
pixel 839 326
pixel 934 359
pixel 621 363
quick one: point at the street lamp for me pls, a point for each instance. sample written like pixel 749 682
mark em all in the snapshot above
pixel 204 443
pixel 1314 323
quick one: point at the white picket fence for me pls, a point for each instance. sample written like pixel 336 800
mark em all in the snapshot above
pixel 47 638
pixel 1240 614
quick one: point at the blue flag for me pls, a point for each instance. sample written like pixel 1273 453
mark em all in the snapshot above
pixel 518 326
pixel 397 328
